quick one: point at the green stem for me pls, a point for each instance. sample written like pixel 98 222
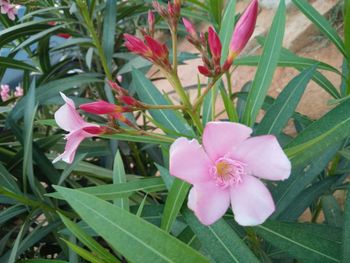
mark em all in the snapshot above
pixel 174 44
pixel 85 12
pixel 164 107
pixel 200 99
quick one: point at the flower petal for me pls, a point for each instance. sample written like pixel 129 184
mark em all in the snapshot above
pixel 208 201
pixel 188 161
pixel 73 141
pixel 219 138
pixel 251 202
pixel 264 157
pixel 67 117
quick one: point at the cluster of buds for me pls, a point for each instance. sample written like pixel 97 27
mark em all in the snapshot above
pixel 150 49
pixel 211 58
pixel 9 9
pixel 5 92
pixel 170 14
pixel 113 111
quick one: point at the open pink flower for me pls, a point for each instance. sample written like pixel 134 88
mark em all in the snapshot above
pixel 18 92
pixel 5 92
pixel 69 120
pixel 225 171
pixel 9 9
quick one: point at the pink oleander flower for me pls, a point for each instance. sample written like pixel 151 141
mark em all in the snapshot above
pixel 5 92
pixel 18 92
pixel 243 30
pixel 69 120
pixel 9 9
pixel 227 170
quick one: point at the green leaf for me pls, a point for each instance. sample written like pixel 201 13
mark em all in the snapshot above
pixel 119 177
pixel 320 135
pixel 332 211
pixel 120 229
pixel 287 191
pixel 323 25
pixel 42 261
pixel 302 241
pixel 285 104
pixel 83 253
pixel 208 110
pixel 346 17
pixel 8 62
pixel 8 181
pixel 29 115
pixel 12 211
pixel 109 26
pixel 140 138
pixel 88 241
pixel 150 94
pixel 266 67
pixel 176 197
pixel 215 10
pixel 113 191
pixel 220 241
pixel 345 253
pixel 227 27
pixel 307 197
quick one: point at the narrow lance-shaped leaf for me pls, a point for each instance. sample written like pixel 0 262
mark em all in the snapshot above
pixel 283 108
pixel 323 25
pixel 174 202
pixel 120 229
pixel 220 241
pixel 304 242
pixel 119 176
pixel 266 67
pixel 345 256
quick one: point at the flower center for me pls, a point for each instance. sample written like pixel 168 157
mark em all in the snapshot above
pixel 228 172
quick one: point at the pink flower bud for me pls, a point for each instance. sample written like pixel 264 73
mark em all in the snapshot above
pixel 158 49
pixel 95 130
pixel 151 18
pixel 204 71
pixel 100 107
pixel 189 27
pixel 244 29
pixel 214 45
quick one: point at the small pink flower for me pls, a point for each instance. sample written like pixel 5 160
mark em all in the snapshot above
pixel 18 92
pixel 69 120
pixel 9 9
pixel 243 29
pixel 225 171
pixel 5 92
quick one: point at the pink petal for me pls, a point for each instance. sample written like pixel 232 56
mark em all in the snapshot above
pixel 188 161
pixel 73 141
pixel 264 157
pixel 251 202
pixel 220 138
pixel 67 117
pixel 208 201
